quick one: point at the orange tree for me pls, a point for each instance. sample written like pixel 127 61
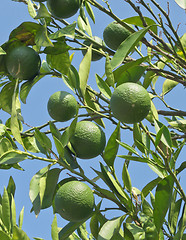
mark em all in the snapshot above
pixel 148 53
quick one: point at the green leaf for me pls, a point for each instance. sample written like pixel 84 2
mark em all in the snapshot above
pixel 54 130
pixel 174 212
pixel 136 20
pixel 2 52
pixel 6 210
pixel 54 230
pixel 83 25
pixel 136 231
pixel 103 87
pixel 181 3
pixel 84 69
pixel 14 115
pixel 13 212
pixel 89 100
pixel 20 220
pixel 82 232
pixel 179 124
pixel 127 46
pixel 42 12
pixel 59 147
pixel 111 229
pixel 90 11
pixel 41 38
pixel 168 85
pixel 19 234
pixel 129 148
pixel 150 186
pixel 115 187
pixel 69 229
pixel 68 31
pixel 49 187
pixel 6 97
pixel 36 188
pixel 138 140
pixel 43 139
pixel 11 187
pixel 30 144
pixel 126 178
pixel 26 87
pixel 181 225
pixel 133 74
pixel 32 13
pixel 165 134
pixel 112 146
pixel 162 200
pixel 108 71
pixel 12 157
pixel 57 48
pixel 60 62
pixel 4 236
pixel 94 225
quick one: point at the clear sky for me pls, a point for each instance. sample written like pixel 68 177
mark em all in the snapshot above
pixel 35 112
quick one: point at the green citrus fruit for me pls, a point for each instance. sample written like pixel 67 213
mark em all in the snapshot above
pixel 130 103
pixel 63 8
pixel 88 140
pixel 95 55
pixel 62 106
pixel 114 34
pixel 23 62
pixel 74 201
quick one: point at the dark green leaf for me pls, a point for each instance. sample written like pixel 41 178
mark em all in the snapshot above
pixel 138 140
pixel 136 231
pixel 6 97
pixel 111 148
pixel 94 225
pixel 127 46
pixel 162 200
pixel 57 48
pixel 165 135
pixel 181 225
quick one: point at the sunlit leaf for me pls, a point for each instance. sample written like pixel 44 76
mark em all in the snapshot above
pixel 68 31
pixel 168 85
pixel 54 229
pixel 162 200
pixel 103 87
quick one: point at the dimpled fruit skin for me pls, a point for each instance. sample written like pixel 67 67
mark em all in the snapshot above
pixel 88 140
pixel 63 8
pixel 62 106
pixel 130 103
pixel 95 56
pixel 114 34
pixel 23 62
pixel 74 201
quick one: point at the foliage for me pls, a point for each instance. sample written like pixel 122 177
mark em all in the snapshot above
pixel 158 210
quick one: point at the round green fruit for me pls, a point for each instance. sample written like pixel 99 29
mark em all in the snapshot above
pixel 95 55
pixel 114 34
pixel 74 201
pixel 130 103
pixel 23 62
pixel 88 140
pixel 62 106
pixel 63 8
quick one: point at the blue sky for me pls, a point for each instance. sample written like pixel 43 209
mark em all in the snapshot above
pixel 35 112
